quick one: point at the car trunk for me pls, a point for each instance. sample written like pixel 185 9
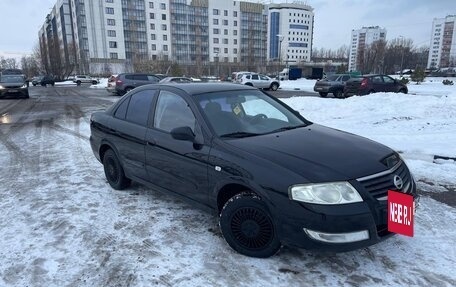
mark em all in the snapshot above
pixel 352 86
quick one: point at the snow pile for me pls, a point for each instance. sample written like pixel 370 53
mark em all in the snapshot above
pixel 102 84
pixel 65 83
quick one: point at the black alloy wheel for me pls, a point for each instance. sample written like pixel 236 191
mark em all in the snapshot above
pixel 247 226
pixel 274 86
pixel 114 172
pixel 338 94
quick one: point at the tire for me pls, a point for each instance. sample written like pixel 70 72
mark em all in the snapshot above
pixel 78 83
pixel 371 92
pixel 53 84
pixel 323 95
pixel 34 85
pixel 128 89
pixel 249 84
pixel 274 86
pixel 403 91
pixel 248 227
pixel 338 94
pixel 94 82
pixel 114 172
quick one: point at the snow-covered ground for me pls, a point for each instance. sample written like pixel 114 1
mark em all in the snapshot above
pixel 62 225
pixel 102 84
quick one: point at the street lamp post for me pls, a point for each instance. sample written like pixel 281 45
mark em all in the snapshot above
pixel 280 48
pixel 402 52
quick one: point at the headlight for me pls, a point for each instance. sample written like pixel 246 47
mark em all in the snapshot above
pixel 24 86
pixel 2 87
pixel 325 193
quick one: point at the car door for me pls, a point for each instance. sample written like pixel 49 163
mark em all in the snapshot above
pixel 264 82
pixel 377 84
pixel 177 165
pixel 256 80
pixel 390 84
pixel 129 126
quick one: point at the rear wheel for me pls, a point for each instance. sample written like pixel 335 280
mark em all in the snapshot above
pixel 404 91
pixel 128 89
pixel 94 82
pixel 114 172
pixel 78 83
pixel 247 226
pixel 249 84
pixel 324 95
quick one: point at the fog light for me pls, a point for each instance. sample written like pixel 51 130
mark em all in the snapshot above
pixel 338 237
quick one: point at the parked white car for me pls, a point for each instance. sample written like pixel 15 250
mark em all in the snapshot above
pixel 79 79
pixel 259 81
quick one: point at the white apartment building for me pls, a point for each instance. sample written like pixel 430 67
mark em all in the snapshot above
pixel 442 52
pixel 360 39
pixel 109 35
pixel 290 32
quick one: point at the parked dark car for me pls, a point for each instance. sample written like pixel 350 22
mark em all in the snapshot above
pixel 43 80
pixel 272 176
pixel 332 84
pixel 368 84
pixel 13 85
pixel 126 82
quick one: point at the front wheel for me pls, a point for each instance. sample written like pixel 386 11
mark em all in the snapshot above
pixel 274 86
pixel 78 83
pixel 323 95
pixel 404 91
pixel 338 94
pixel 94 82
pixel 247 226
pixel 114 172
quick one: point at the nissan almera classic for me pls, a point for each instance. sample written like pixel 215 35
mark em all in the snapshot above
pixel 273 177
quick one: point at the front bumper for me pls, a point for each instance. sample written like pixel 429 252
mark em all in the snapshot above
pixel 344 227
pixel 13 92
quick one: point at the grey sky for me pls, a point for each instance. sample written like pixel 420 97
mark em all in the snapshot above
pixel 20 20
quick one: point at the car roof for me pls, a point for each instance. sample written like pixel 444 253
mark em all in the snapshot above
pixel 201 88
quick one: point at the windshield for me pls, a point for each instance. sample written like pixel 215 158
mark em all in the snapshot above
pixel 11 79
pixel 246 113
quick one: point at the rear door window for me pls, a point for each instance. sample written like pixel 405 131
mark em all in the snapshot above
pixel 152 78
pixel 121 111
pixel 140 77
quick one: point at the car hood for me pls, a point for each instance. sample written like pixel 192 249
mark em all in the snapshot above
pixel 318 153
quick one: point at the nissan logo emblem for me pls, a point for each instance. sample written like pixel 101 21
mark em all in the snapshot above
pixel 398 182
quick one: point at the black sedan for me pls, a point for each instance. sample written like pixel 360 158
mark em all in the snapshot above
pixel 272 176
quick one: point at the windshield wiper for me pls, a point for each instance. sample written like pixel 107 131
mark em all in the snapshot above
pixel 287 128
pixel 238 135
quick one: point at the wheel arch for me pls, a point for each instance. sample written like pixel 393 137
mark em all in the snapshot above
pixel 229 190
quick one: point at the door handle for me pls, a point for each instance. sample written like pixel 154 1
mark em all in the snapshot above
pixel 150 142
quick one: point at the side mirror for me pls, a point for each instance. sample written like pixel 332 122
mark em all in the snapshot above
pixel 183 134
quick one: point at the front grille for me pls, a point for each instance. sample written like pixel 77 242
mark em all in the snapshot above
pixel 14 87
pixel 379 184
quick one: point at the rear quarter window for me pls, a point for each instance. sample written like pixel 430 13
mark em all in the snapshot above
pixel 139 107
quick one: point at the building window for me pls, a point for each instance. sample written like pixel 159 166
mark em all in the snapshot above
pixel 225 32
pixel 163 6
pixel 152 36
pixel 235 41
pixel 152 26
pixel 215 12
pixel 225 41
pixel 151 5
pixel 164 27
pixel 111 33
pixel 216 31
pixel 235 13
pixel 153 47
pixel 165 47
pixel 225 22
pixel 225 50
pixel 111 22
pixel 165 37
pixel 235 32
pixel 113 56
pixel 235 51
pixel 112 44
pixel 235 23
pixel 225 12
pixel 151 16
pixel 215 21
pixel 163 16
pixel 109 10
pixel 216 40
pixel 109 1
